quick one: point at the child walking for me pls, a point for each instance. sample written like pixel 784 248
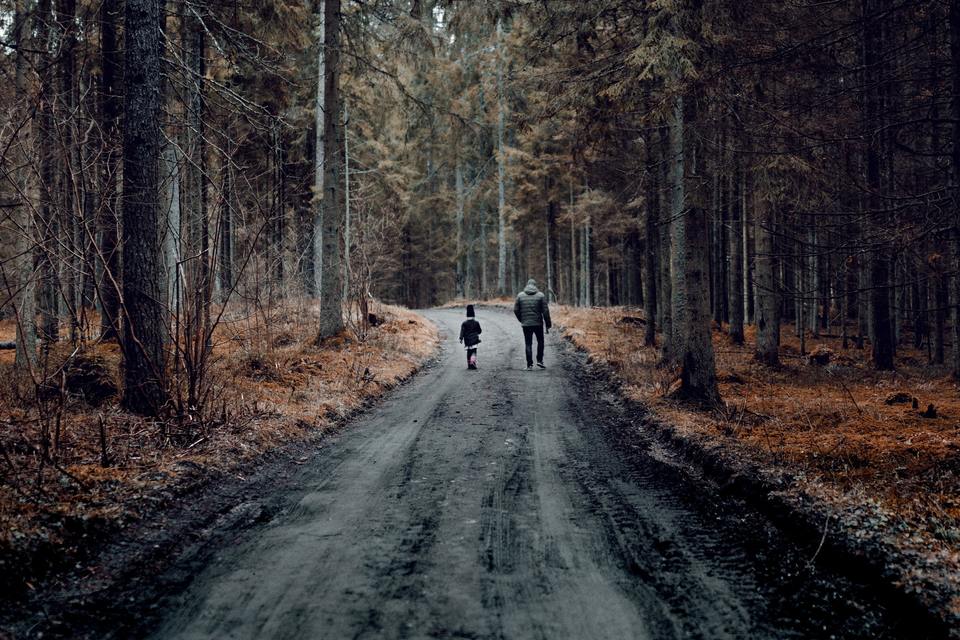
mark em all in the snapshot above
pixel 470 336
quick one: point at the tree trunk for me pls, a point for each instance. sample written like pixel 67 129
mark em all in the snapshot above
pixel 664 282
pixel 749 288
pixel 548 227
pixel 227 229
pixel 698 375
pixel 768 304
pixel 346 203
pixel 574 285
pixel 71 221
pixel 143 327
pixel 501 170
pixel 108 287
pixel 319 150
pixel 458 180
pixel 880 324
pixel 735 287
pixel 49 219
pixel 22 282
pixel 331 292
pixel 171 236
pixel 651 269
pixel 197 263
pixel 678 232
pixel 954 287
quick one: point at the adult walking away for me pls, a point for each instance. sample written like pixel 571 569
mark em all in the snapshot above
pixel 533 313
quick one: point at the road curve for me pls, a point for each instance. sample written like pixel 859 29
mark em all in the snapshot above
pixel 502 503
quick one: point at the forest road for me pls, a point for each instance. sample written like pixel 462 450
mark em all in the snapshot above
pixel 505 503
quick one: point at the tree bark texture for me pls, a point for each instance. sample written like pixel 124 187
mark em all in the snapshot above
pixel 143 328
pixel 331 292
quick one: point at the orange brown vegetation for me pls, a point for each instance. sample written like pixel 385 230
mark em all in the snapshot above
pixel 270 385
pixel 840 429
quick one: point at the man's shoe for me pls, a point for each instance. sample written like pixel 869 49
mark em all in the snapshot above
pixel 541 365
pixel 529 367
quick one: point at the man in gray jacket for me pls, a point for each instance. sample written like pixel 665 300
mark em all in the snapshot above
pixel 533 313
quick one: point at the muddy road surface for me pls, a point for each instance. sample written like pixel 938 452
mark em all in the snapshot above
pixel 505 503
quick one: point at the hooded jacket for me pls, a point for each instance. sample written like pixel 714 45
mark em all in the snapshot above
pixel 531 307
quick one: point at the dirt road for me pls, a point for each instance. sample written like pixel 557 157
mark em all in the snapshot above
pixel 503 503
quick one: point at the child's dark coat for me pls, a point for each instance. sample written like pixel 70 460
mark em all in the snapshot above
pixel 470 332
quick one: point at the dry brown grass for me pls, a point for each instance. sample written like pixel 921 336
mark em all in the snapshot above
pixel 273 385
pixel 830 425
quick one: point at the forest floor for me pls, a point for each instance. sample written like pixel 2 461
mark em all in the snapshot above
pixel 862 445
pixel 272 385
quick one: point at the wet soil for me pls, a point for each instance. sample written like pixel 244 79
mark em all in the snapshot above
pixel 497 503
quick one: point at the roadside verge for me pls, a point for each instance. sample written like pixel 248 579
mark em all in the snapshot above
pixel 86 527
pixel 849 520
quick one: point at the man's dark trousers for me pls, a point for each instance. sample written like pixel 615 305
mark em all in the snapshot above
pixel 528 333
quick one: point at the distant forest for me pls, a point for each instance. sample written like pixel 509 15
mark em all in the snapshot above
pixel 718 163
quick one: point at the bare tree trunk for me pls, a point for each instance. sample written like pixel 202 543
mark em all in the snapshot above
pixel 749 290
pixel 346 201
pixel 23 284
pixel 665 281
pixel 678 221
pixel 955 179
pixel 70 262
pixel 574 286
pixel 879 264
pixel 331 292
pixel 484 289
pixel 651 269
pixel 109 252
pixel 698 375
pixel 501 171
pixel 587 268
pixel 225 275
pixel 468 288
pixel 768 303
pixel 458 180
pixel 320 149
pixel 735 288
pixel 49 220
pixel 548 235
pixel 197 255
pixel 171 235
pixel 143 327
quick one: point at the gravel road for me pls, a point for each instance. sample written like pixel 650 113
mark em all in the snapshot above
pixel 505 503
